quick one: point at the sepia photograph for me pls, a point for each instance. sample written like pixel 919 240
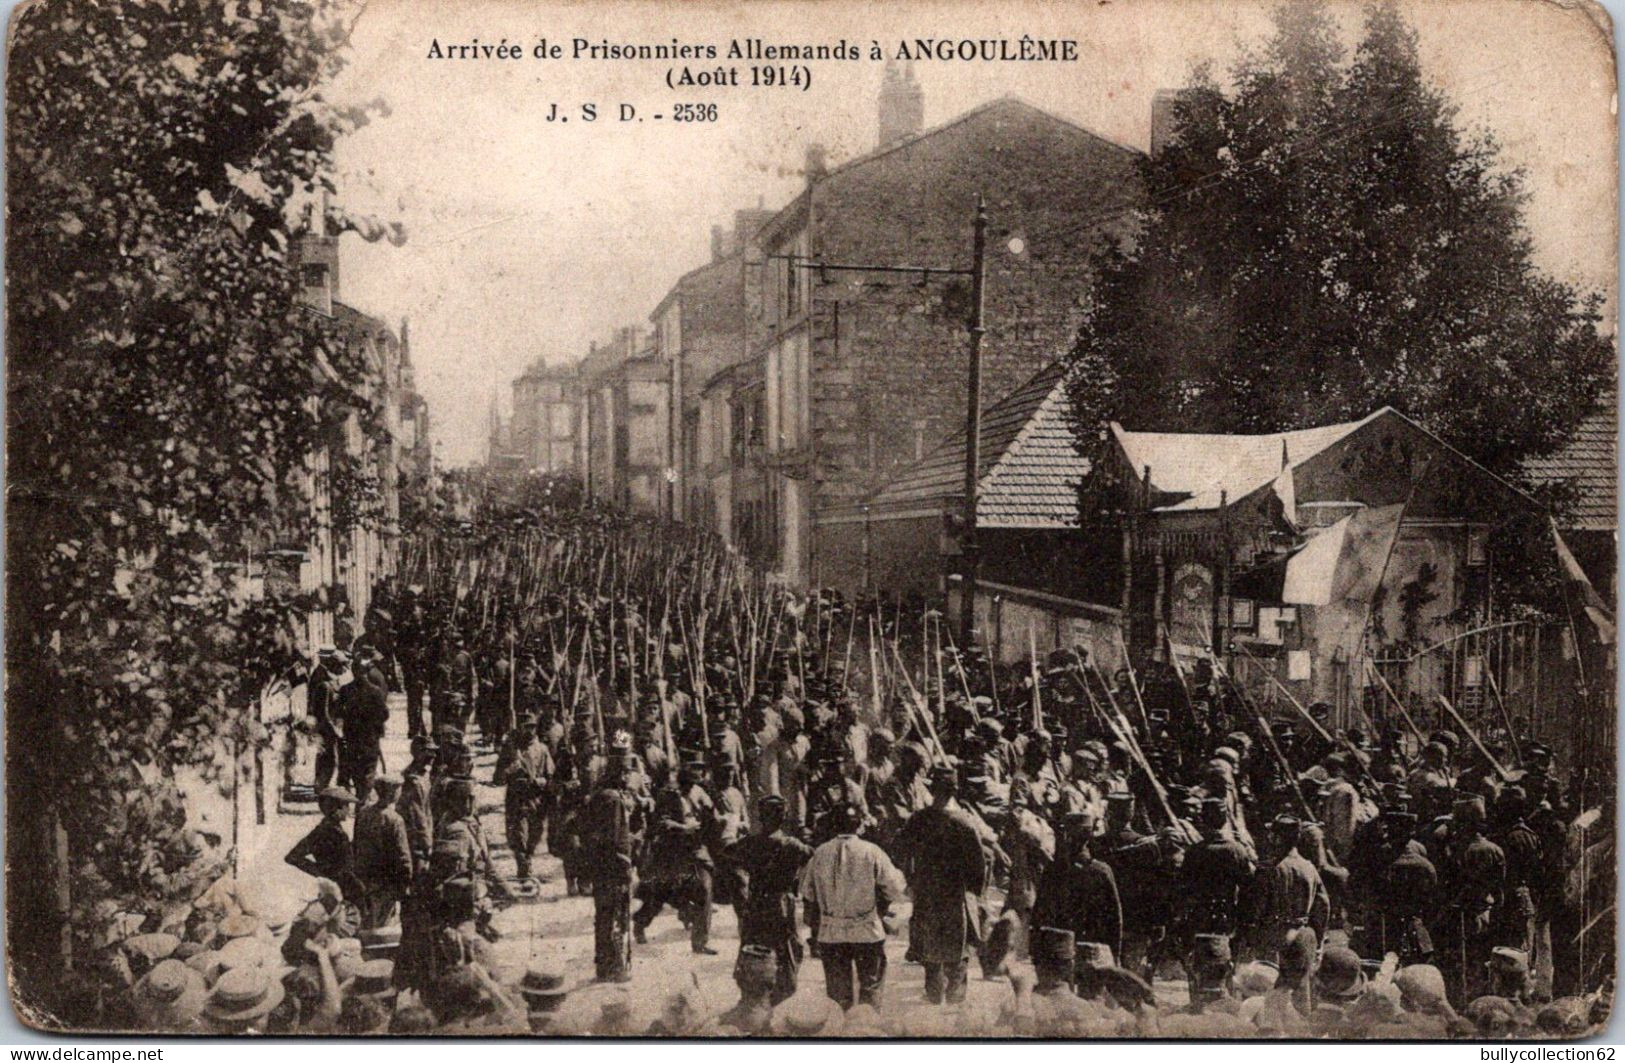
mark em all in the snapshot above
pixel 810 519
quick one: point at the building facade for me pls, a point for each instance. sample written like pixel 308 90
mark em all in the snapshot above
pixel 624 426
pixel 864 370
pixel 699 331
pixel 546 419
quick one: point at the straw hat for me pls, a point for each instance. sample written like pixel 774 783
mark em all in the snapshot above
pixel 243 995
pixel 808 1014
pixel 242 952
pixel 145 950
pixel 543 986
pixel 170 997
pixel 1255 978
pixel 241 925
pixel 375 979
pixel 1421 986
pixel 1340 977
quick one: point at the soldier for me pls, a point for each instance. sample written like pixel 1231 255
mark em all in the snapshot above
pixel 948 873
pixel 493 701
pixel 1140 871
pixel 848 887
pixel 411 638
pixel 525 769
pixel 904 794
pixel 769 861
pixel 1407 892
pixel 326 680
pixel 1431 782
pixel 725 829
pixel 414 964
pixel 609 836
pixel 1293 894
pixel 1216 872
pixel 1524 870
pixel 364 704
pixel 413 803
pixel 679 868
pixel 460 851
pixel 383 855
pixel 1339 806
pixel 829 791
pixel 1476 888
pixel 1078 892
pixel 1030 843
pixel 579 771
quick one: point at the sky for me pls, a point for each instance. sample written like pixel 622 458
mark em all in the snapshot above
pixel 529 239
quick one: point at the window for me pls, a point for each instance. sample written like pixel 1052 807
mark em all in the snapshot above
pixel 792 289
pixel 314 276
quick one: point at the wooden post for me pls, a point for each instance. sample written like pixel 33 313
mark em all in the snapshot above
pixel 970 549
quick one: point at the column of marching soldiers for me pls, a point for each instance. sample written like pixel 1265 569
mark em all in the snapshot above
pixel 680 732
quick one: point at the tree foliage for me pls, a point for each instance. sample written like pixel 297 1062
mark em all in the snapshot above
pixel 1323 240
pixel 165 389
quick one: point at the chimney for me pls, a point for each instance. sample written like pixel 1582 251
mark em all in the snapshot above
pixel 817 161
pixel 746 224
pixel 718 244
pixel 317 257
pixel 902 104
pixel 1164 122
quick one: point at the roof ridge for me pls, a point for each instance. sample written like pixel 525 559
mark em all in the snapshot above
pixel 965 116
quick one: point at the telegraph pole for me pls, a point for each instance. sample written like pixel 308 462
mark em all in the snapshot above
pixel 970 549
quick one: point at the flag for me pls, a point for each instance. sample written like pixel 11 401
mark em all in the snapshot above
pixel 1580 591
pixel 1310 571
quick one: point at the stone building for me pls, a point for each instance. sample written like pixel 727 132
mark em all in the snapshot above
pixel 546 419
pixel 862 371
pixel 355 525
pixel 698 332
pixel 624 424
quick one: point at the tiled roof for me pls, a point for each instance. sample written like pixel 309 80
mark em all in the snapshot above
pixel 1029 469
pixel 1591 463
pixel 1202 467
pixel 1034 483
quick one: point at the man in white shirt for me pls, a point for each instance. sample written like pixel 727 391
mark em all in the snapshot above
pixel 848 887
